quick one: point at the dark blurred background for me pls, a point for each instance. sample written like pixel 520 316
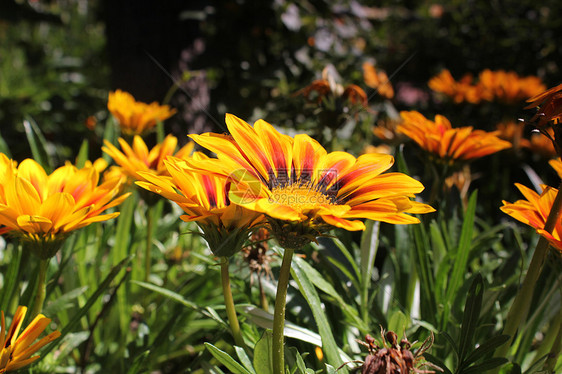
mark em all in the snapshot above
pixel 60 58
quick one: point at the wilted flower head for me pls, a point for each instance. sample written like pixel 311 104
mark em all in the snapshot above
pixel 17 349
pixel 44 209
pixel 135 117
pixel 204 199
pixel 449 144
pixel 534 212
pixel 301 187
pixel 395 357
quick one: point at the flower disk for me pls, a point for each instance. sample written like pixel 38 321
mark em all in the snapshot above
pixel 44 209
pixel 449 144
pixel 136 117
pixel 16 351
pixel 294 180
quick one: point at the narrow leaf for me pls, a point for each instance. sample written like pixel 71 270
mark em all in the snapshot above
pixel 225 359
pixel 37 143
pixel 471 314
pixel 307 289
pixel 489 346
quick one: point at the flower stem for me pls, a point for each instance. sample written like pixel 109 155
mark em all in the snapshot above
pixel 279 313
pixel 41 291
pixel 229 304
pixel 520 307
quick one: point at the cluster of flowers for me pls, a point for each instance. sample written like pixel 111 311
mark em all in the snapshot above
pixel 500 85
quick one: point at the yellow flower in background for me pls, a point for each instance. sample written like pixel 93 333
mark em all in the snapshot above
pixel 44 209
pixel 204 199
pixel 449 144
pixel 534 212
pixel 17 349
pixel 295 180
pixel 139 158
pixel 135 117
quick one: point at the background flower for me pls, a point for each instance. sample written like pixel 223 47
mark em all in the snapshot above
pixel 135 117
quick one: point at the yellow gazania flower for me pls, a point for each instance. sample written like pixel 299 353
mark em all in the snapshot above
pixel 295 180
pixel 204 199
pixel 44 209
pixel 534 212
pixel 135 117
pixel 139 158
pixel 16 351
pixel 449 144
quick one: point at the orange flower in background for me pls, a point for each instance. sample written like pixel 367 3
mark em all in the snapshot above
pixel 449 144
pixel 44 209
pixel 204 199
pixel 17 349
pixel 135 117
pixel 549 105
pixel 139 158
pixel 377 80
pixel 501 85
pixel 294 180
pixel 534 212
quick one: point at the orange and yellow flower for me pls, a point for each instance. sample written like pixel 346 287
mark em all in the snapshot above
pixel 377 80
pixel 44 209
pixel 295 180
pixel 139 158
pixel 449 144
pixel 534 212
pixel 17 350
pixel 135 117
pixel 204 199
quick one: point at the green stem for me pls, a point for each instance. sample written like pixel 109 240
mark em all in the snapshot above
pixel 148 253
pixel 229 304
pixel 520 307
pixel 41 290
pixel 279 313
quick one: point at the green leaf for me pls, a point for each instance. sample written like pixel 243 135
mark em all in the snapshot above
pixel 398 322
pixel 225 359
pixel 470 317
pixel 437 361
pixel 37 143
pixel 207 311
pixel 4 147
pixel 263 362
pixel 137 364
pixel 244 359
pixel 487 347
pixel 461 256
pixel 82 156
pixel 11 278
pixel 369 247
pixel 307 289
pixel 485 366
pixel 64 301
pixel 82 312
pixel 318 280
